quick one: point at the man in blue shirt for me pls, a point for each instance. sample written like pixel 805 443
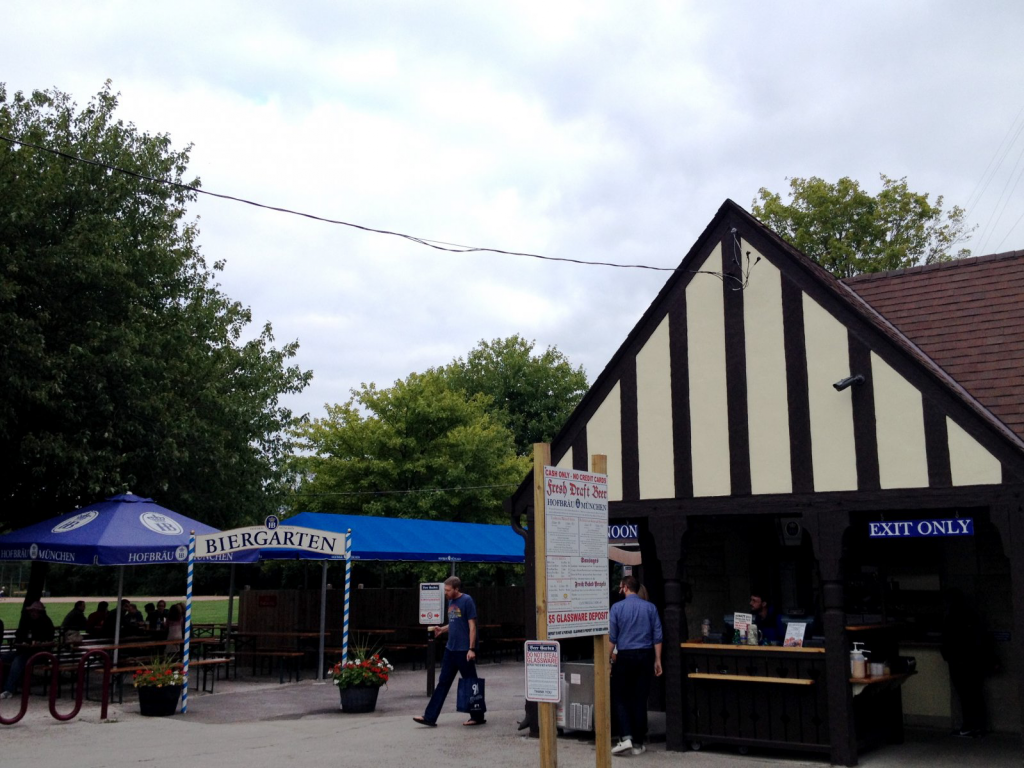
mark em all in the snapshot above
pixel 459 654
pixel 635 633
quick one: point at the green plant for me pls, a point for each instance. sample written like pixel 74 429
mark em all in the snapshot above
pixel 365 669
pixel 160 672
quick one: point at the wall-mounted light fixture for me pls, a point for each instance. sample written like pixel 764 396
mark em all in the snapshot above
pixel 848 382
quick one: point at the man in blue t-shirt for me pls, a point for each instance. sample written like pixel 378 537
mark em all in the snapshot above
pixel 459 654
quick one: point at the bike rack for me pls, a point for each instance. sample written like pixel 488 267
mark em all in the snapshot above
pixel 46 656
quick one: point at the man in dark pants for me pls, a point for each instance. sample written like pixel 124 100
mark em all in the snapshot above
pixel 459 653
pixel 634 630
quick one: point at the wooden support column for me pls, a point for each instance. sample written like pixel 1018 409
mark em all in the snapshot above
pixel 1009 520
pixel 668 538
pixel 546 714
pixel 826 530
pixel 602 671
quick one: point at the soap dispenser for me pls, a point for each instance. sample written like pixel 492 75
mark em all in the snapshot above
pixel 858 662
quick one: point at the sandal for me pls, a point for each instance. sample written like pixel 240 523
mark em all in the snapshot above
pixel 423 721
pixel 469 723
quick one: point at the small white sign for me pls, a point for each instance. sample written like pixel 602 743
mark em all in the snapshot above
pixel 742 622
pixel 794 635
pixel 543 670
pixel 431 603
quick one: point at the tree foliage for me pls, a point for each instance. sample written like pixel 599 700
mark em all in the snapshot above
pixel 533 394
pixel 124 365
pixel 847 231
pixel 378 452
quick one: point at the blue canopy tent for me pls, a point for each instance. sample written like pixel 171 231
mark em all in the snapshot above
pixel 401 539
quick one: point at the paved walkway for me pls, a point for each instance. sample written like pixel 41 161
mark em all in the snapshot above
pixel 258 724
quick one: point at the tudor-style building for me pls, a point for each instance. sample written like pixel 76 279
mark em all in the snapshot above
pixel 721 419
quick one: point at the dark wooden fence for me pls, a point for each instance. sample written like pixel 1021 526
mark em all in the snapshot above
pixel 299 610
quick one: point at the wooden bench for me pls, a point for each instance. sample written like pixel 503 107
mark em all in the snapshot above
pixel 292 659
pixel 118 673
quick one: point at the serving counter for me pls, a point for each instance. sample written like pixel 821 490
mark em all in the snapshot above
pixel 770 696
pixel 755 696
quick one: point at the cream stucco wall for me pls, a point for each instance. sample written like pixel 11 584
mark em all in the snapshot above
pixel 899 429
pixel 654 416
pixel 709 413
pixel 767 400
pixel 828 361
pixel 604 435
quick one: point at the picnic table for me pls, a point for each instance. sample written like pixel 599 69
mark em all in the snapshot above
pixel 272 647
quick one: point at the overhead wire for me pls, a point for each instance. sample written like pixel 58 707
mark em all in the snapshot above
pixel 430 243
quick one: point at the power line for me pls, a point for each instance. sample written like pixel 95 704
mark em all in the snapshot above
pixel 436 244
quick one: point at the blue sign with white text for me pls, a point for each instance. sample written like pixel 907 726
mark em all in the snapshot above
pixel 908 529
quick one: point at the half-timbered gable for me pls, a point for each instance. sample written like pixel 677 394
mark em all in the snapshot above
pixel 726 388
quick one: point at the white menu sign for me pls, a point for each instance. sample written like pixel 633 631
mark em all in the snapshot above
pixel 543 671
pixel 576 538
pixel 431 603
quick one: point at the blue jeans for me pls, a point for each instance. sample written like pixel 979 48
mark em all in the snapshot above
pixel 452 662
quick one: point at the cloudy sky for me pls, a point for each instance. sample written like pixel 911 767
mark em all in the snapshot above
pixel 593 130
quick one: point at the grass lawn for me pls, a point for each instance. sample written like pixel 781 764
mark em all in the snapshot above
pixel 203 611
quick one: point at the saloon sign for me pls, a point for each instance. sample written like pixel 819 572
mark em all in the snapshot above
pixel 911 529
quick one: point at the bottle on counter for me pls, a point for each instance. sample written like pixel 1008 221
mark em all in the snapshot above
pixel 858 662
pixel 705 629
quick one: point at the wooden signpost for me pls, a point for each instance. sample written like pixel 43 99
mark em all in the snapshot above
pixel 581 614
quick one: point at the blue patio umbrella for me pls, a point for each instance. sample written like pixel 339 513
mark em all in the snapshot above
pixel 123 530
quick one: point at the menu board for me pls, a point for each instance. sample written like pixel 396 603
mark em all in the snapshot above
pixel 576 540
pixel 794 634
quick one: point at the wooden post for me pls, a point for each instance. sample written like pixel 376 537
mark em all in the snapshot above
pixel 546 713
pixel 602 673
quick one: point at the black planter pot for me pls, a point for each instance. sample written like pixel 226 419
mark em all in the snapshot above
pixel 159 701
pixel 359 699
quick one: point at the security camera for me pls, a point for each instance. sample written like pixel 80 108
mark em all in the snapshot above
pixel 847 382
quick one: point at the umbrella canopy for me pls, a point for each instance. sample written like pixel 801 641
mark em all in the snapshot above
pixel 394 538
pixel 123 530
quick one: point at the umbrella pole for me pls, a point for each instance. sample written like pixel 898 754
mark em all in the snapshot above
pixel 117 622
pixel 348 590
pixel 323 621
pixel 231 598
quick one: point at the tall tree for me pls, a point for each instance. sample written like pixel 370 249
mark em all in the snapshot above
pixel 533 394
pixel 418 449
pixel 848 231
pixel 123 362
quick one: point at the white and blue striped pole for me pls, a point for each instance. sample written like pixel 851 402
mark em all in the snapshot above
pixel 348 594
pixel 188 619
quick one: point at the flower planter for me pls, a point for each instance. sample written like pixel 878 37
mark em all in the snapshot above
pixel 159 701
pixel 357 699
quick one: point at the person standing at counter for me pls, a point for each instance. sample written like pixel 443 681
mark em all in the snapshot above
pixel 965 651
pixel 765 618
pixel 634 630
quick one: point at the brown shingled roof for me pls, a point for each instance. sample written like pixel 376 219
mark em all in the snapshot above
pixel 968 316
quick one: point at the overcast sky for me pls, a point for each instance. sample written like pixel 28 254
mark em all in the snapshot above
pixel 594 130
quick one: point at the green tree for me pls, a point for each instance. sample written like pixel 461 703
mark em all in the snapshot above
pixel 533 394
pixel 377 453
pixel 848 231
pixel 123 363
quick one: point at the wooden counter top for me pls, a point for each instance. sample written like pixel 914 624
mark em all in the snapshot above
pixel 752 648
pixel 751 678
